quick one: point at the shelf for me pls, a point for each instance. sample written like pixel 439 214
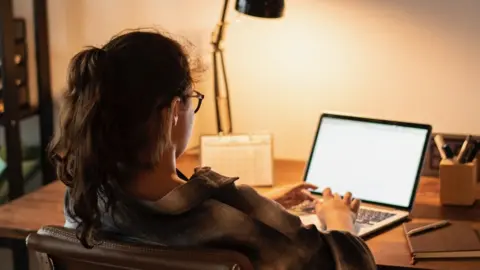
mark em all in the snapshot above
pixel 11 118
pixel 25 112
pixel 30 168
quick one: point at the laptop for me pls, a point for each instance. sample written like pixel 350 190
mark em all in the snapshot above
pixel 378 161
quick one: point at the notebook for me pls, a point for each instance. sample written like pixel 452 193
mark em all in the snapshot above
pixel 456 240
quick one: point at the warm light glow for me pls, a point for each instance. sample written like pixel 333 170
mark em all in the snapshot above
pixel 407 60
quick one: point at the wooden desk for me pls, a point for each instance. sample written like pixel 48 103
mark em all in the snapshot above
pixel 45 207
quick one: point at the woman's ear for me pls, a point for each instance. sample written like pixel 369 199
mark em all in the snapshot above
pixel 175 109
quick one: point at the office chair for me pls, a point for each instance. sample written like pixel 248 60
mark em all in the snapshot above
pixel 58 248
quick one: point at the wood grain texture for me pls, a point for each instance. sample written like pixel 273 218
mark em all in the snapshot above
pixel 45 207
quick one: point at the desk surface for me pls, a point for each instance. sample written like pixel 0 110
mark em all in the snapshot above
pixel 45 207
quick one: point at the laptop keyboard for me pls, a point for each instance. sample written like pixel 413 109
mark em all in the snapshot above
pixel 364 216
pixel 370 216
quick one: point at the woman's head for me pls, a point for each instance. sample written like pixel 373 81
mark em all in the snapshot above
pixel 126 105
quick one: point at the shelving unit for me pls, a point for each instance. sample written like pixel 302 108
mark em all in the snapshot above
pixel 13 111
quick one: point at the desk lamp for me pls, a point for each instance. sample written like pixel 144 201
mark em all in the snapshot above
pixel 257 8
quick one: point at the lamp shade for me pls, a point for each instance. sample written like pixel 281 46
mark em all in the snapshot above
pixel 261 8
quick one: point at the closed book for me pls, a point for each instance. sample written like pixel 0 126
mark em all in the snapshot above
pixel 456 240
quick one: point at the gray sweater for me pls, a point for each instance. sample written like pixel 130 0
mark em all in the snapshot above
pixel 211 211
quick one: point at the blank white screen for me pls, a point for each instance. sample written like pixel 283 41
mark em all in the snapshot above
pixel 376 162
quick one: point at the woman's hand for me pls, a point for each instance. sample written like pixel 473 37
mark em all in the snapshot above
pixel 338 213
pixel 289 196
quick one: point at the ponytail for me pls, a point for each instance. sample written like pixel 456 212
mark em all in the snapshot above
pixel 79 167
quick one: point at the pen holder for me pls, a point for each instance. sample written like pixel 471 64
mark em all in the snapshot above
pixel 457 182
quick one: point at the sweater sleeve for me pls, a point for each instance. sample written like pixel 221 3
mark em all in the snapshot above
pixel 341 250
pixel 349 251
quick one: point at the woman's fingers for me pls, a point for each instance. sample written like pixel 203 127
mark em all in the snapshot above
pixel 347 198
pixel 327 193
pixel 301 191
pixel 318 206
pixel 308 186
pixel 308 195
pixel 300 186
pixel 355 205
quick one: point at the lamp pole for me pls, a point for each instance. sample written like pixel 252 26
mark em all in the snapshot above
pixel 222 100
pixel 257 8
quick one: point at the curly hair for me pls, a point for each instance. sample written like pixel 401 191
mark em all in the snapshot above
pixel 111 125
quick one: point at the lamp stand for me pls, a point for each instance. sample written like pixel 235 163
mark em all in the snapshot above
pixel 222 101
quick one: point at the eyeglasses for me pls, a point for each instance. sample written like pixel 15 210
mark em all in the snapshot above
pixel 197 99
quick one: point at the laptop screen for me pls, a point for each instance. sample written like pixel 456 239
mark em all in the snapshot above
pixel 378 161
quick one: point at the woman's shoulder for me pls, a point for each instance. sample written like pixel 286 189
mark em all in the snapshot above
pixel 209 177
pixel 202 186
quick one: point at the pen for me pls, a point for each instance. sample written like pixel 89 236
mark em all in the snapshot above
pixel 428 227
pixel 448 151
pixel 440 143
pixel 473 153
pixel 468 152
pixel 465 144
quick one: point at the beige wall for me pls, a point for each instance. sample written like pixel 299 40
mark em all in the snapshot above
pixel 402 59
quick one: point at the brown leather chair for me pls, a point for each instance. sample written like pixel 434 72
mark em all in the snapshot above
pixel 58 248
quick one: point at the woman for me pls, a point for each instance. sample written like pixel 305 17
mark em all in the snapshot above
pixel 127 116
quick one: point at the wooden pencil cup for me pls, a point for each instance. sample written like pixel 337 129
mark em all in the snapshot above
pixel 457 182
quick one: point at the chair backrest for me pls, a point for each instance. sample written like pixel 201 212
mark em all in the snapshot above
pixel 58 248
